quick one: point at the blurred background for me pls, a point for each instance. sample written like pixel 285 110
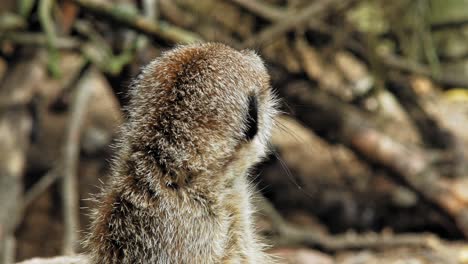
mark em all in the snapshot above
pixel 369 161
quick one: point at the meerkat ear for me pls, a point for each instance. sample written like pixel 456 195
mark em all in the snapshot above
pixel 252 118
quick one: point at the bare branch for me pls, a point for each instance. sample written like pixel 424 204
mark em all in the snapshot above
pixel 139 23
pixel 263 10
pixel 290 235
pixel 336 119
pixel 70 165
pixel 271 33
pixel 445 78
pixel 39 39
pixel 15 128
pixel 44 183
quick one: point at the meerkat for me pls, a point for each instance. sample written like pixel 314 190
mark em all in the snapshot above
pixel 199 118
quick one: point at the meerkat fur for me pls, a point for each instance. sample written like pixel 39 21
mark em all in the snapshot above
pixel 199 118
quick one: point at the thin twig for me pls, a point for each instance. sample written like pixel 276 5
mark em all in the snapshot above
pixel 150 9
pixel 271 33
pixel 70 164
pixel 139 23
pixel 47 23
pixel 40 39
pixel 25 7
pixel 288 234
pixel 44 183
pixel 9 21
pixel 45 8
pixel 99 52
pixel 275 14
pixel 10 248
pixel 261 9
pixel 400 63
pixel 176 15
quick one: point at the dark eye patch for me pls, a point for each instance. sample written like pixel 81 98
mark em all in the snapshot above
pixel 252 118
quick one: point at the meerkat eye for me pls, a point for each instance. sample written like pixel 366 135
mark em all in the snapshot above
pixel 252 118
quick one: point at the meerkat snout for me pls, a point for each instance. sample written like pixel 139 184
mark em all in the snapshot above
pixel 199 118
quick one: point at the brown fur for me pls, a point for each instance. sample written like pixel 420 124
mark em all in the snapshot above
pixel 179 191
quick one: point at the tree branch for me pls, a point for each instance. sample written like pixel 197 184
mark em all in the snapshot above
pixel 70 164
pixel 287 234
pixel 137 22
pixel 337 120
pixel 317 8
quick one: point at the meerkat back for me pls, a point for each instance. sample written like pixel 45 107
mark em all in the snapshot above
pixel 199 118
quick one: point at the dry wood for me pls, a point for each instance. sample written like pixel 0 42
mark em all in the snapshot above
pixel 333 118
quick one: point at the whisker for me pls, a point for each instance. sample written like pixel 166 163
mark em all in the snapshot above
pixel 288 131
pixel 297 182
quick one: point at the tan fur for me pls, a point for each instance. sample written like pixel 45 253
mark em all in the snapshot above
pixel 179 191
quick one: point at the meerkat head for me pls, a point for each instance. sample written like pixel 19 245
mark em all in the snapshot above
pixel 200 109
